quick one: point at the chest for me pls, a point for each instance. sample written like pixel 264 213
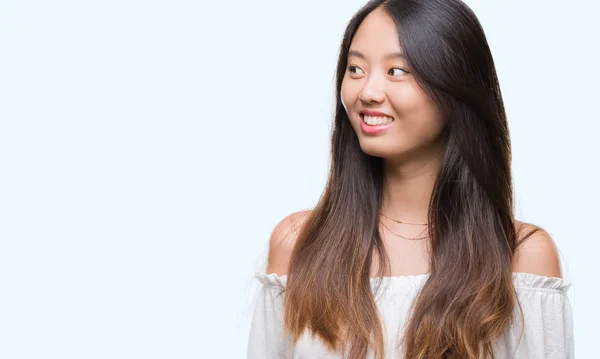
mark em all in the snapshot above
pixel 405 257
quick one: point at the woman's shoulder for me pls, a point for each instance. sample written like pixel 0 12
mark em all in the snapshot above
pixel 282 241
pixel 536 251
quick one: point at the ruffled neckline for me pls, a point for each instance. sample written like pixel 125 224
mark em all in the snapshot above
pixel 522 280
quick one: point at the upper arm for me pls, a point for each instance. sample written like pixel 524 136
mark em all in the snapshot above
pixel 538 254
pixel 282 242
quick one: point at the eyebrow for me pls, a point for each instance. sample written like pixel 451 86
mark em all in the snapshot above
pixel 386 56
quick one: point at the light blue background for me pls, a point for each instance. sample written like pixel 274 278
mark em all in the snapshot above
pixel 148 148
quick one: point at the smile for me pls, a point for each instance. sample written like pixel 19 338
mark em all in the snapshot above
pixel 373 125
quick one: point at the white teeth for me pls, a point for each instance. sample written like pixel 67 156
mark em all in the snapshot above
pixel 374 121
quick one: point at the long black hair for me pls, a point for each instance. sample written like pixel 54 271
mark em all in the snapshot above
pixel 469 297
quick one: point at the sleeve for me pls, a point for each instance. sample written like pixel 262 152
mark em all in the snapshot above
pixel 547 330
pixel 267 339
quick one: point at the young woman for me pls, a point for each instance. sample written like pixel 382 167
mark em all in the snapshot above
pixel 413 250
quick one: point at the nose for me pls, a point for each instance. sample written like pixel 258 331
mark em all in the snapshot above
pixel 373 90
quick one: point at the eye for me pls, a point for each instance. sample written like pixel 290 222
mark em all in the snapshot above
pixel 351 67
pixel 403 71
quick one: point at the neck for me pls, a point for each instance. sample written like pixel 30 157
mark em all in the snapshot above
pixel 408 185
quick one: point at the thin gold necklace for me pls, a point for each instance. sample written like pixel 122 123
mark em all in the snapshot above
pixel 396 234
pixel 398 221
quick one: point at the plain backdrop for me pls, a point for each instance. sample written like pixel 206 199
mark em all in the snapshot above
pixel 148 148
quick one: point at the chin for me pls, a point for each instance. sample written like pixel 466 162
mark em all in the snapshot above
pixel 376 149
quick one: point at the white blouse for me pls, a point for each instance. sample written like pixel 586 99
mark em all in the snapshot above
pixel 548 330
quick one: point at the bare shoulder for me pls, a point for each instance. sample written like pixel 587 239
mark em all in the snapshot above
pixel 536 254
pixel 283 240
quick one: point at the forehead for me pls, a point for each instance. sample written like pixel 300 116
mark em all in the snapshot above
pixel 376 35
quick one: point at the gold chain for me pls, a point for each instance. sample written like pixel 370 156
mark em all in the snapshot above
pixel 396 234
pixel 398 221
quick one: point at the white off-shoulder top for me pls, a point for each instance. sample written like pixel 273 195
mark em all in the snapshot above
pixel 547 333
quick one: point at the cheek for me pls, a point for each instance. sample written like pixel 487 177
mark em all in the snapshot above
pixel 431 116
pixel 412 105
pixel 348 95
pixel 429 123
pixel 419 115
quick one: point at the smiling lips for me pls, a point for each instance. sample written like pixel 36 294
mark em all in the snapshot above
pixel 373 113
pixel 373 122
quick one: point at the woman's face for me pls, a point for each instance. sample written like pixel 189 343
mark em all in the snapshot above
pixel 376 80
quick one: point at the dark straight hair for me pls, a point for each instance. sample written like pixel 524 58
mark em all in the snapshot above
pixel 468 300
